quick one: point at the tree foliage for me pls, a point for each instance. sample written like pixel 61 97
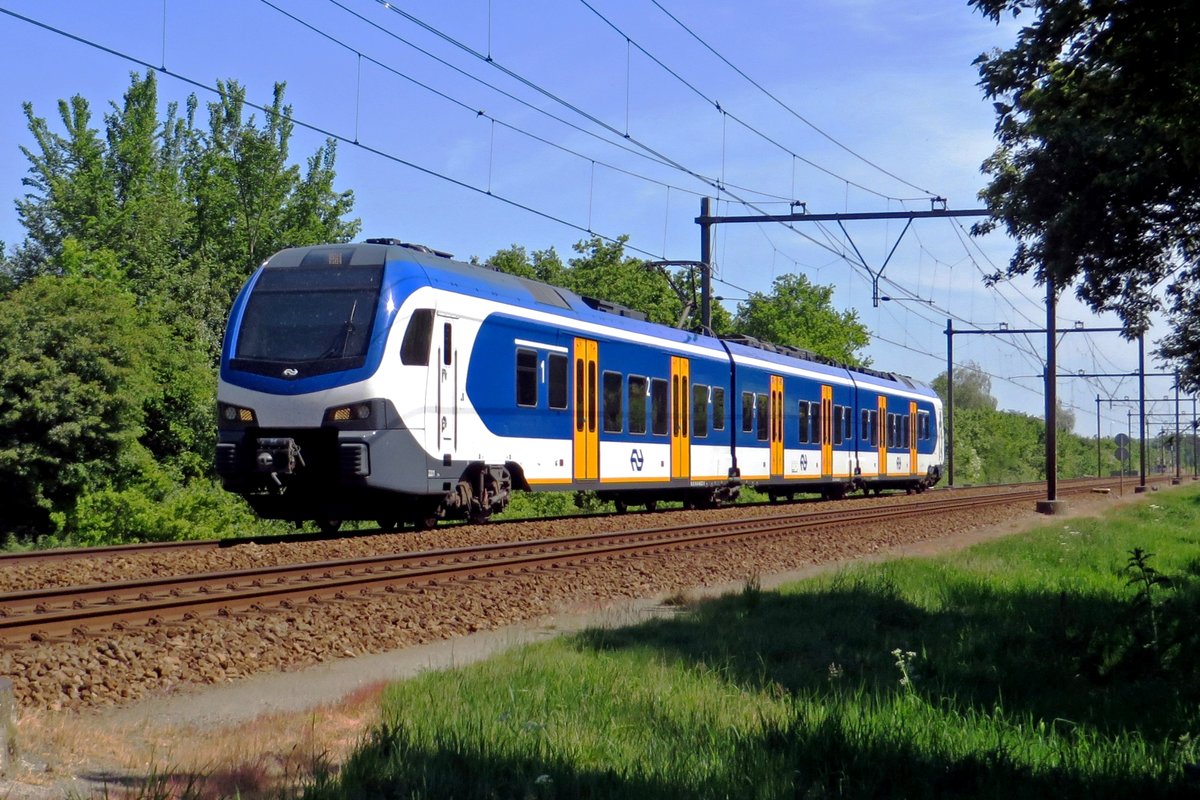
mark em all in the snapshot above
pixel 972 388
pixel 603 271
pixel 801 314
pixel 1097 172
pixel 77 373
pixel 138 235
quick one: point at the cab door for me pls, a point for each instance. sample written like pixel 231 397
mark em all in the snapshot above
pixel 447 397
pixel 882 425
pixel 681 443
pixel 827 431
pixel 585 411
pixel 776 407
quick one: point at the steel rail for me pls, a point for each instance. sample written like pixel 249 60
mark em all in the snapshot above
pixel 195 595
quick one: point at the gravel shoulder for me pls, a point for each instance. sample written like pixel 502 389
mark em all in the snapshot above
pixel 275 726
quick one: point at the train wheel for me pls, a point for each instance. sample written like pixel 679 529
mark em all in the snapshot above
pixel 479 516
pixel 621 506
pixel 424 522
pixel 329 525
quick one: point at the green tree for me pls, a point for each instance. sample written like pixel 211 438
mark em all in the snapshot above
pixel 801 314
pixel 972 388
pixel 160 220
pixel 1097 171
pixel 76 375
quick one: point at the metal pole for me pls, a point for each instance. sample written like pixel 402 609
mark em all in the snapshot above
pixel 1129 433
pixel 1142 405
pixel 1098 436
pixel 1051 395
pixel 706 270
pixel 950 402
pixel 1178 441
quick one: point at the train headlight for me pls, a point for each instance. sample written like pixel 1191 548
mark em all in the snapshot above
pixel 363 415
pixel 356 412
pixel 235 416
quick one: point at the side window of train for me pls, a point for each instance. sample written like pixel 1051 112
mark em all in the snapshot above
pixel 838 413
pixel 763 406
pixel 904 428
pixel 414 348
pixel 637 404
pixel 447 344
pixel 816 430
pixel 612 402
pixel 848 423
pixel 557 380
pixel 659 407
pixel 803 415
pixel 874 428
pixel 527 392
pixel 718 408
pixel 747 412
pixel 699 410
pixel 864 424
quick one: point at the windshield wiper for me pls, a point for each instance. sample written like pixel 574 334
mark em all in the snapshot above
pixel 345 333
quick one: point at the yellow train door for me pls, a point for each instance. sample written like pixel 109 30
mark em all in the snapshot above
pixel 912 438
pixel 776 426
pixel 827 431
pixel 585 412
pixel 881 425
pixel 681 443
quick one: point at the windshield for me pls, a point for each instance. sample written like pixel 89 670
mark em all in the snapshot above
pixel 303 315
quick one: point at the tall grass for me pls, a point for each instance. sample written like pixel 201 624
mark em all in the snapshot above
pixel 1021 668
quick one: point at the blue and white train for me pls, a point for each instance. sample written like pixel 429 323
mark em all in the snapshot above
pixel 385 381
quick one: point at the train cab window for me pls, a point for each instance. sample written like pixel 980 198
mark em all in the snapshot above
pixel 612 402
pixel 637 404
pixel 923 425
pixel 763 407
pixel 659 407
pixel 718 408
pixel 747 412
pixel 557 380
pixel 803 415
pixel 414 349
pixel 699 410
pixel 527 389
pixel 447 344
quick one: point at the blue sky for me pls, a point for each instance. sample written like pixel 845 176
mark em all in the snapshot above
pixel 880 108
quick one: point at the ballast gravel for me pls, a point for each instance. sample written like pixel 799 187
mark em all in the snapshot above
pixel 118 667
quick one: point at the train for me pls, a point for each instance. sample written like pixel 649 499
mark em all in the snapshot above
pixel 387 381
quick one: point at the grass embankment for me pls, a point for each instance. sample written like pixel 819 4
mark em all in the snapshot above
pixel 1043 665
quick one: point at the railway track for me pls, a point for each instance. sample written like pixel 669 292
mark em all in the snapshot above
pixel 45 614
pixel 109 551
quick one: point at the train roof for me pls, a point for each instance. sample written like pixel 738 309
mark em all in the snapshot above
pixel 444 272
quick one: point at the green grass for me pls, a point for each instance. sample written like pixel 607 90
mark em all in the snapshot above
pixel 1028 667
